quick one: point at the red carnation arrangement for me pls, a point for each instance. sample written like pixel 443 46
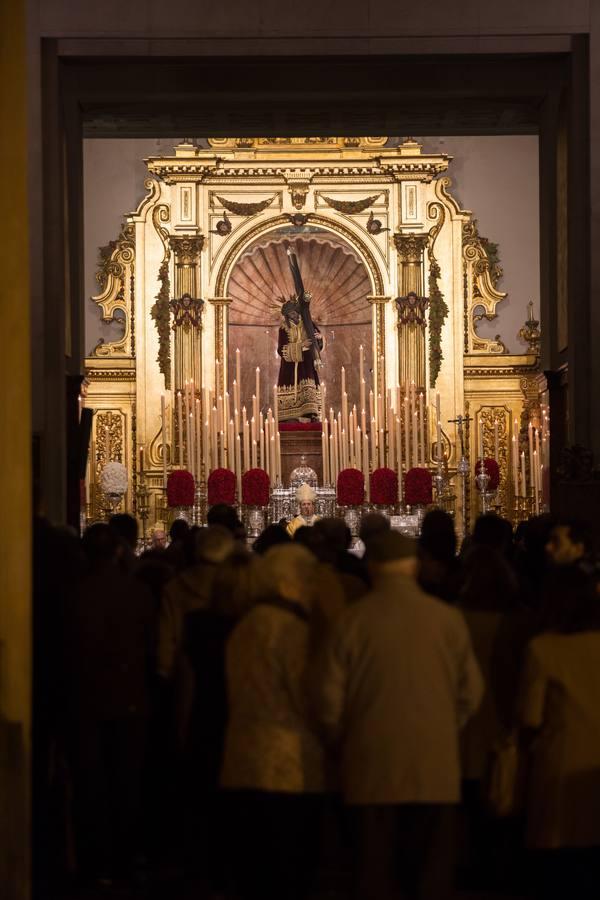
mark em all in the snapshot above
pixel 418 487
pixel 221 487
pixel 350 487
pixel 492 469
pixel 384 487
pixel 180 488
pixel 255 487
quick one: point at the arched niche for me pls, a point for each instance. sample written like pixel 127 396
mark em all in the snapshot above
pixel 339 282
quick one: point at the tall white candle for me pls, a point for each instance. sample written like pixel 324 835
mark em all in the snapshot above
pixel 246 462
pixel 231 446
pixel 238 370
pixel 276 407
pixel 422 427
pixel 258 387
pixel 163 420
pixel 191 446
pixel 278 454
pixel 254 453
pixel 358 447
pixel 371 406
pixel 415 442
pixel 406 425
pixel 198 437
pixel 399 458
pixel 365 456
pixel 373 444
pixel 238 465
pixel 261 441
pixel 180 428
pixel 226 418
pixel 523 475
pixel 213 438
pixel 438 425
pixel 531 459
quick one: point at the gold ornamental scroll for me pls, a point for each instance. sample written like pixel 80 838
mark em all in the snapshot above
pixel 412 307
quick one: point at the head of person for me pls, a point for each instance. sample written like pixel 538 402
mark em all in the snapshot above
pixel 100 545
pixel 226 516
pixel 159 538
pixel 569 542
pixel 290 311
pixel 178 530
pixel 570 602
pixel 306 496
pixel 372 525
pixel 126 529
pixel 438 538
pixel 238 584
pixel 493 532
pixel 212 545
pixel 391 553
pixel 272 536
pixel 290 573
pixel 336 535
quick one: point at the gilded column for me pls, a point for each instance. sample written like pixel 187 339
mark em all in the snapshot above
pixel 412 308
pixel 186 309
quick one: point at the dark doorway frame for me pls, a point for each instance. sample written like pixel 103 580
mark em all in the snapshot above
pixel 431 86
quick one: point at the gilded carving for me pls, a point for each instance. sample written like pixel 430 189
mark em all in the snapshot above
pixel 350 207
pixel 109 437
pixel 438 308
pixel 482 273
pixel 496 421
pixel 245 209
pixel 186 248
pixel 117 259
pixel 160 311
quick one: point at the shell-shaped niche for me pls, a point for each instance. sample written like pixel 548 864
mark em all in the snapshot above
pixel 340 285
pixel 330 268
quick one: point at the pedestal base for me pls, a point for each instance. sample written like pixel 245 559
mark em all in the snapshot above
pixel 294 443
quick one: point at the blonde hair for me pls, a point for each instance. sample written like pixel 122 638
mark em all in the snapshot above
pixel 288 562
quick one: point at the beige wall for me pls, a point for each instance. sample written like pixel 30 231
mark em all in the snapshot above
pixel 496 177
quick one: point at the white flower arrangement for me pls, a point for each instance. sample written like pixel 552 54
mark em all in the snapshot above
pixel 113 478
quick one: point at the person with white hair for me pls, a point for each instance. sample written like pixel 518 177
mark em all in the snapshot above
pixel 306 496
pixel 273 766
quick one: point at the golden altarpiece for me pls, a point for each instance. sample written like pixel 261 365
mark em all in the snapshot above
pixel 393 263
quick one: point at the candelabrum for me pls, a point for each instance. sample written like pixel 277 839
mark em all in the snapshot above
pixel 482 479
pixel 142 497
pixel 112 501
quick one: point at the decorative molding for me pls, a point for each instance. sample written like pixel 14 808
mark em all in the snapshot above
pixel 117 260
pixel 186 248
pixel 160 310
pixel 438 308
pixel 187 312
pixel 112 375
pixel 482 273
pixel 334 225
pixel 488 415
pixel 350 207
pixel 245 209
pixel 297 143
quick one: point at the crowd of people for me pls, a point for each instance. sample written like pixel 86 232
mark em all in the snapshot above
pixel 293 720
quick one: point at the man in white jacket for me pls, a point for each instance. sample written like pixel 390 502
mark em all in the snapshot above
pixel 398 681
